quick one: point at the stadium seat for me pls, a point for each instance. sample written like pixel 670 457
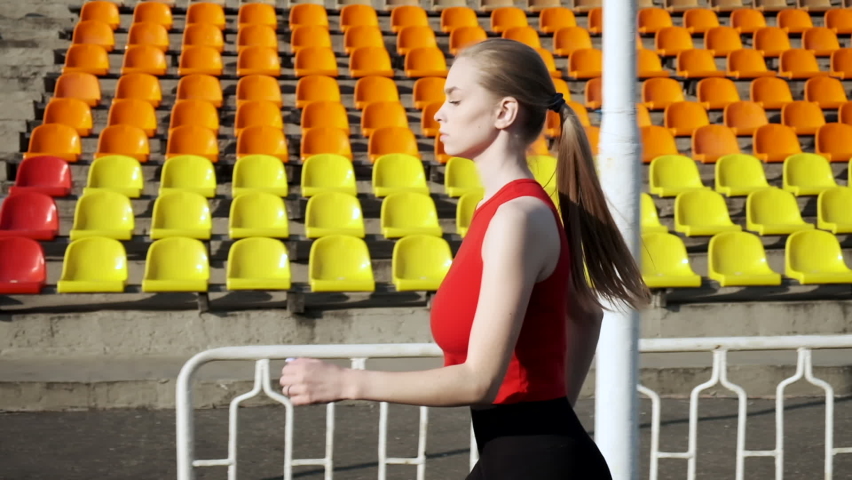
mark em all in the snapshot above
pixel 821 41
pixel 652 20
pixel 264 140
pixel 461 177
pixel 46 174
pixel 316 88
pixel 650 221
pixel 392 140
pixel 798 64
pixel 526 35
pixel 258 264
pixel 308 14
pixel 200 87
pixel 176 264
pixel 22 266
pixel 803 117
pixel 206 12
pixel 86 58
pixel 773 211
pixel 181 214
pixel 202 35
pixel 154 12
pixel 462 37
pixel 327 173
pixel 148 33
pixel 141 86
pixel 134 112
pixel 315 61
pixel 505 18
pixel 415 37
pixel 702 213
pixel 595 20
pixel 658 93
pixel 29 214
pixel 794 20
pixel 258 87
pixel 725 5
pixel 774 143
pixel 258 60
pixel 669 41
pixel 561 86
pixel 383 114
pixel 739 259
pixel 807 174
pixel 257 14
pixel 771 42
pixel 833 212
pixel 322 140
pixel 567 40
pixel 101 11
pixel 428 90
pixel 116 173
pixel 398 173
pixel 263 173
pixel 700 20
pixel 585 63
pixel 739 174
pixel 56 140
pixel 362 37
pixel 71 112
pixel 309 36
pixel 814 257
pixel 722 41
pixel 664 262
pixel 409 213
pixel 769 5
pixel 697 64
pixel 839 20
pixel 425 62
pixel 322 114
pixel 840 63
pixel 193 140
pixel 103 213
pixel 195 112
pixel 743 118
pixel 656 141
pixel 649 65
pixel 407 16
pixel 844 113
pixel 455 17
pixel 827 92
pixel 747 63
pixel 258 214
pixel 770 93
pixel 188 173
pixel 333 213
pixel 643 116
pixel 592 95
pixel 832 142
pixel 746 20
pixel 93 32
pixel 717 93
pixel 258 112
pixel 420 262
pixel 464 211
pixel 354 15
pixel 261 36
pixel 553 19
pixel 370 61
pixel 200 61
pixel 79 85
pixel 670 175
pixel 93 265
pixel 144 59
pixel 340 263
pixel 375 89
pixel 683 118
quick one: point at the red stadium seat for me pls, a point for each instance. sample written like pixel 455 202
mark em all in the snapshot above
pixel 48 175
pixel 29 214
pixel 22 269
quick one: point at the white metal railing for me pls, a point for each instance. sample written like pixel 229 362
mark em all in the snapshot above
pixel 358 354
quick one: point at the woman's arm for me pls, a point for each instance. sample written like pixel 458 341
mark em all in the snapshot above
pixel 583 330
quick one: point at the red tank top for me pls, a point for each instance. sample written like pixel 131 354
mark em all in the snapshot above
pixel 537 369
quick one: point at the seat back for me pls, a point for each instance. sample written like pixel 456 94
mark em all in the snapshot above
pixel 396 172
pixel 744 115
pixel 325 140
pixel 794 20
pixel 181 210
pixel 826 91
pixel 28 212
pixel 664 254
pixel 658 93
pixel 552 19
pixel 193 140
pixel 733 253
pixel 505 18
pixel 258 87
pixel 425 62
pixel 807 169
pixel 567 40
pixel 259 258
pixel 79 85
pixel 722 40
pixel 814 251
pixel 701 207
pixel 716 93
pixel 747 20
pixel 327 172
pixel 700 20
pixel 154 12
pixel 308 14
pixel 420 257
pixel 200 87
pixel 770 92
pixel 101 11
pixel 262 139
pixel 362 36
pixel 408 210
pixel 206 12
pixel 647 63
pixel 316 88
pixel 375 89
pixel 674 171
pixel 803 116
pixel 177 258
pixel 46 174
pixel 650 220
pixel 695 60
pixel 200 60
pixel 104 210
pixel 839 20
pixel 685 117
pixel 798 60
pixel 773 206
pixel 739 170
pixel 21 261
pixel 771 41
pixel 415 36
pixel 259 210
pixel 357 15
pixel 259 172
pixel 321 114
pixel 330 209
pixel 135 112
pixel 144 59
pixel 428 90
pixel 264 36
pixel 455 17
pixel 652 20
pixel 656 141
pixel 822 40
pixel 841 62
pixel 746 62
pixel 370 61
pixel 670 41
pixel 340 259
pixel 95 259
pixel 195 112
pixel 54 139
pixel 392 140
pixel 833 139
pixel 315 61
pixel 116 173
pixel 139 85
pixel 776 141
pixel 203 35
pixel 833 205
pixel 586 60
pixel 257 112
pixel 407 16
pixel 190 173
pixel 309 36
pixel 257 14
pixel 383 114
pixel 93 32
pixel 70 111
pixel 86 58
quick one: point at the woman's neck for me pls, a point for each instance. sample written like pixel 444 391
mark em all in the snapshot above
pixel 498 166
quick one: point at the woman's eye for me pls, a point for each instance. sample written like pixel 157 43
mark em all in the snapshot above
pixel 454 102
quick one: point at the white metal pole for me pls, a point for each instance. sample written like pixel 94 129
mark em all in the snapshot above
pixel 619 159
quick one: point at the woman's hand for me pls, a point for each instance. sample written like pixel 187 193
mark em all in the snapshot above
pixel 309 381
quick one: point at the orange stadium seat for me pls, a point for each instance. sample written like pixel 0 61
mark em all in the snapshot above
pixel 308 14
pixel 561 86
pixel 124 140
pixel 455 17
pixel 86 58
pixel 649 65
pixel 505 18
pixel 428 125
pixel 841 63
pixel 643 116
pixel 48 175
pixel 658 93
pixel 771 41
pixel 206 12
pixel 200 61
pixel 821 41
pixel 141 86
pixel 569 39
pixel 200 87
pixel 669 41
pixel 362 36
pixel 69 111
pixel 526 35
pixel 370 61
pixel 93 32
pixel 258 87
pixel 263 36
pixel 747 63
pixel 315 61
pixel 839 20
pixel 195 112
pixel 746 20
pixel 743 118
pixel 309 36
pixel 465 36
pixel 357 15
pixel 325 114
pixel 549 62
pixel 803 117
pixel 595 21
pixel 441 156
pixel 154 12
pixel 257 14
pixel 79 85
pixel 392 140
pixel 592 95
pixel 793 20
pixel 553 19
pixel 697 64
pixel 832 142
pixel 798 63
pixel 585 63
pixel 408 16
pixel 375 89
pixel 193 140
pixel 428 90
pixel 683 118
pixel 258 112
pixel 314 88
pixel 771 93
pixel 316 141
pixel 203 35
pixel 135 112
pixel 29 215
pixel 415 37
pixel 711 142
pixel 844 113
pixel 144 59
pixel 101 11
pixel 425 62
pixel 56 140
pixel 774 143
pixel 656 141
pixel 827 92
pixel 258 61
pixel 262 140
pixel 383 114
pixel 700 20
pixel 717 93
pixel 722 41
pixel 652 20
pixel 148 33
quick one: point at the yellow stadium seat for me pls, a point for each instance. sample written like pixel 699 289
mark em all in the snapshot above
pixel 420 262
pixel 263 173
pixel 650 220
pixel 814 257
pixel 665 263
pixel 258 264
pixel 334 213
pixel 340 263
pixel 116 173
pixel 399 173
pixel 807 174
pixel 328 173
pixel 739 174
pixel 103 214
pixel 409 213
pixel 188 173
pixel 670 175
pixel 773 211
pixel 464 211
pixel 461 177
pixel 93 264
pixel 833 212
pixel 176 264
pixel 738 259
pixel 543 168
pixel 181 214
pixel 702 213
pixel 258 214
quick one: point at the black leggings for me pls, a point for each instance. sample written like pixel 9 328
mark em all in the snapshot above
pixel 535 441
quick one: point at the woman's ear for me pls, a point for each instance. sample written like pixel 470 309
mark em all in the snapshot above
pixel 507 113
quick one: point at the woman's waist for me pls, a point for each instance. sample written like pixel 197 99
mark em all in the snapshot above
pixel 545 417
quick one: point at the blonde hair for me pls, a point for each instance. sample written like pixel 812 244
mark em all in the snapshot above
pixel 597 248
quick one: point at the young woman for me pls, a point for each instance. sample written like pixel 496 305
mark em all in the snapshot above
pixel 515 316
